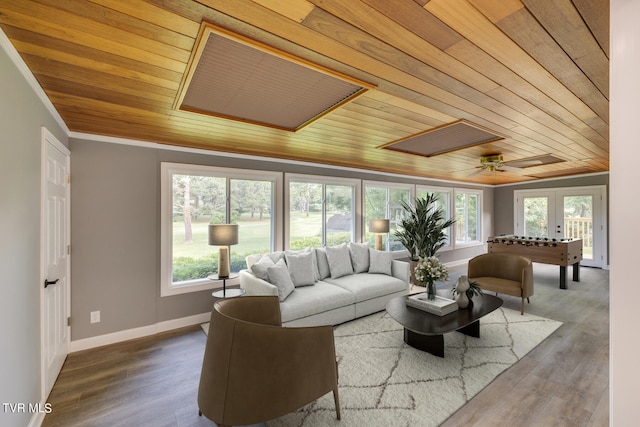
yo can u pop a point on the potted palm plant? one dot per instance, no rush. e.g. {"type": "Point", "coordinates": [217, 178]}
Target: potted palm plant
{"type": "Point", "coordinates": [422, 230]}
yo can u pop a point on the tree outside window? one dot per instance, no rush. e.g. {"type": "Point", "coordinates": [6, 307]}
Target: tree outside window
{"type": "Point", "coordinates": [320, 214]}
{"type": "Point", "coordinates": [468, 211]}
{"type": "Point", "coordinates": [198, 196]}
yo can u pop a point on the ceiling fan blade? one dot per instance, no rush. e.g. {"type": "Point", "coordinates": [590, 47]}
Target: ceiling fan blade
{"type": "Point", "coordinates": [520, 164]}
{"type": "Point", "coordinates": [505, 168]}
{"type": "Point", "coordinates": [474, 173]}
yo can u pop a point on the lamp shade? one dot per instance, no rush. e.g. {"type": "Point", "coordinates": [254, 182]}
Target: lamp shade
{"type": "Point", "coordinates": [379, 226]}
{"type": "Point", "coordinates": [223, 234]}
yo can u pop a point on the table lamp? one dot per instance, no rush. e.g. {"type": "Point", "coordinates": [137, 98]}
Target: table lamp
{"type": "Point", "coordinates": [380, 227]}
{"type": "Point", "coordinates": [223, 235]}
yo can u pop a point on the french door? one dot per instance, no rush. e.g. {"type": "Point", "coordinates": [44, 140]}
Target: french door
{"type": "Point", "coordinates": [577, 213]}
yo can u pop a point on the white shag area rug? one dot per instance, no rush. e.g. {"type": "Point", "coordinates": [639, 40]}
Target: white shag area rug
{"type": "Point", "coordinates": [384, 382]}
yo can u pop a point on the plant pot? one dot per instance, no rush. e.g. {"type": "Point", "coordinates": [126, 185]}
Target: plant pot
{"type": "Point", "coordinates": [412, 266]}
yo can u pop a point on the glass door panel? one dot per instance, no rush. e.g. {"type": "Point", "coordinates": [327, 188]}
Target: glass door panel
{"type": "Point", "coordinates": [536, 216]}
{"type": "Point", "coordinates": [575, 213]}
{"type": "Point", "coordinates": [578, 222]}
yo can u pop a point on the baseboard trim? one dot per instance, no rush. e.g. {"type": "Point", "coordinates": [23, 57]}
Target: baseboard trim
{"type": "Point", "coordinates": [457, 262]}
{"type": "Point", "coordinates": [37, 418]}
{"type": "Point", "coordinates": [144, 331]}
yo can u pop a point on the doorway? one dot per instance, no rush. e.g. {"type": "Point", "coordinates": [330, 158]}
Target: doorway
{"type": "Point", "coordinates": [575, 213]}
{"type": "Point", "coordinates": [54, 259]}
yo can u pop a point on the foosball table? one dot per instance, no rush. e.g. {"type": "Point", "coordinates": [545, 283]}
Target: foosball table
{"type": "Point", "coordinates": [561, 252]}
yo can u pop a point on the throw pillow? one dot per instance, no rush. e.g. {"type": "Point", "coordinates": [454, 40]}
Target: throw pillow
{"type": "Point", "coordinates": [279, 276]}
{"type": "Point", "coordinates": [316, 274]}
{"type": "Point", "coordinates": [301, 268]}
{"type": "Point", "coordinates": [260, 268]}
{"type": "Point", "coordinates": [380, 262]}
{"type": "Point", "coordinates": [359, 257]}
{"type": "Point", "coordinates": [323, 263]}
{"type": "Point", "coordinates": [339, 260]}
{"type": "Point", "coordinates": [252, 259]}
{"type": "Point", "coordinates": [276, 256]}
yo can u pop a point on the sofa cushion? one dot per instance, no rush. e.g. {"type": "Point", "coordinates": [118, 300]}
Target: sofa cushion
{"type": "Point", "coordinates": [301, 268]}
{"type": "Point", "coordinates": [260, 268]}
{"type": "Point", "coordinates": [339, 260]}
{"type": "Point", "coordinates": [310, 300]}
{"type": "Point", "coordinates": [380, 262]}
{"type": "Point", "coordinates": [366, 286]}
{"type": "Point", "coordinates": [359, 256]}
{"type": "Point", "coordinates": [279, 276]}
{"type": "Point", "coordinates": [323, 263]}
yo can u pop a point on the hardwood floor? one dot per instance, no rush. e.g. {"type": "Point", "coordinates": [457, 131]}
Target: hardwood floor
{"type": "Point", "coordinates": [564, 381]}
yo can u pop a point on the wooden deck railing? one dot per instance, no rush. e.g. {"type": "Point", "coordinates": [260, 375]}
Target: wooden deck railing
{"type": "Point", "coordinates": [580, 228]}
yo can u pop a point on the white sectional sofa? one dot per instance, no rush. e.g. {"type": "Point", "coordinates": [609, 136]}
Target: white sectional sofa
{"type": "Point", "coordinates": [326, 286]}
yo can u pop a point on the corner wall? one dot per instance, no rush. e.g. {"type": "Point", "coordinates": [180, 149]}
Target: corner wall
{"type": "Point", "coordinates": [22, 114]}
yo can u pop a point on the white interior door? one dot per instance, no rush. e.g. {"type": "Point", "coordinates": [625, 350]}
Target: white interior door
{"type": "Point", "coordinates": [55, 296]}
{"type": "Point", "coordinates": [577, 212]}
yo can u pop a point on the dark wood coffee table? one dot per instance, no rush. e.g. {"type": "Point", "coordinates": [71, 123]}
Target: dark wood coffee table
{"type": "Point", "coordinates": [425, 331]}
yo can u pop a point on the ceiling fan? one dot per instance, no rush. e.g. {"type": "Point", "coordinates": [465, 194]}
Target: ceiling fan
{"type": "Point", "coordinates": [494, 163]}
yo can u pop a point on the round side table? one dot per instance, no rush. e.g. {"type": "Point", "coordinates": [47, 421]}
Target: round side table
{"type": "Point", "coordinates": [226, 293]}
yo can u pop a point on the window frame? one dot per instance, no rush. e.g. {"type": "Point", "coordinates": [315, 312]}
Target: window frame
{"type": "Point", "coordinates": [388, 186]}
{"type": "Point", "coordinates": [167, 170]}
{"type": "Point", "coordinates": [480, 232]}
{"type": "Point", "coordinates": [324, 181]}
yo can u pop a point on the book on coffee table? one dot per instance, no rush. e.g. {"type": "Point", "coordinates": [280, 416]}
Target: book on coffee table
{"type": "Point", "coordinates": [439, 305]}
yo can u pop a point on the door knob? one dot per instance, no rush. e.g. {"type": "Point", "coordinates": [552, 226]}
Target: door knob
{"type": "Point", "coordinates": [50, 282]}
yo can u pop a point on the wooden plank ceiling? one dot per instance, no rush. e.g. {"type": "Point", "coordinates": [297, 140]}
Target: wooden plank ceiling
{"type": "Point", "coordinates": [534, 71]}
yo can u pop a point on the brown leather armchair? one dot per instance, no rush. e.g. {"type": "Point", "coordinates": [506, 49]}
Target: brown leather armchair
{"type": "Point", "coordinates": [254, 370]}
{"type": "Point", "coordinates": [503, 273]}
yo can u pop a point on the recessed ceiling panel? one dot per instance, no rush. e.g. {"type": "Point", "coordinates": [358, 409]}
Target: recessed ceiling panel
{"type": "Point", "coordinates": [562, 172]}
{"type": "Point", "coordinates": [444, 139]}
{"type": "Point", "coordinates": [237, 78]}
{"type": "Point", "coordinates": [545, 159]}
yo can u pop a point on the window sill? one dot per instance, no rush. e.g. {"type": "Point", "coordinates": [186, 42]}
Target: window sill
{"type": "Point", "coordinates": [193, 286]}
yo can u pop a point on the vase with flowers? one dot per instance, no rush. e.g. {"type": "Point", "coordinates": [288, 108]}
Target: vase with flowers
{"type": "Point", "coordinates": [428, 271]}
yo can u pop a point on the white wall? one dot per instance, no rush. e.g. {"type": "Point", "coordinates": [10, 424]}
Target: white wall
{"type": "Point", "coordinates": [22, 114]}
{"type": "Point", "coordinates": [624, 207]}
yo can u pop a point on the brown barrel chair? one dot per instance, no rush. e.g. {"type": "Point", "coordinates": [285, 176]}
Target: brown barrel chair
{"type": "Point", "coordinates": [503, 273]}
{"type": "Point", "coordinates": [255, 370]}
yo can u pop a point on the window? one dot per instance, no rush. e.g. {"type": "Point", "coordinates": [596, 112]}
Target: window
{"type": "Point", "coordinates": [321, 210]}
{"type": "Point", "coordinates": [468, 208]}
{"type": "Point", "coordinates": [194, 197]}
{"type": "Point", "coordinates": [444, 202]}
{"type": "Point", "coordinates": [383, 200]}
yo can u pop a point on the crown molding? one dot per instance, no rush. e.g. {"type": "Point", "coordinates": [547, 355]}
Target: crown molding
{"type": "Point", "coordinates": [17, 60]}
